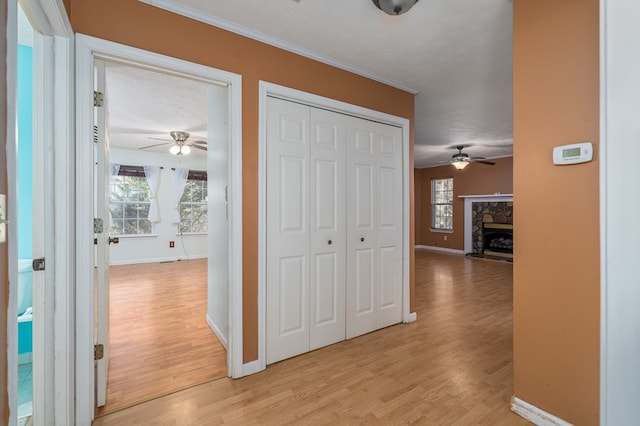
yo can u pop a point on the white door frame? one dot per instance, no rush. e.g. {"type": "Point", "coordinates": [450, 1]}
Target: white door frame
{"type": "Point", "coordinates": [619, 205]}
{"type": "Point", "coordinates": [407, 168]}
{"type": "Point", "coordinates": [89, 49]}
{"type": "Point", "coordinates": [53, 124]}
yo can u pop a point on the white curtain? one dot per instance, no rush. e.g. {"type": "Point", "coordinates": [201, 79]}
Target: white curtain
{"type": "Point", "coordinates": [114, 169]}
{"type": "Point", "coordinates": [179, 182]}
{"type": "Point", "coordinates": [152, 173]}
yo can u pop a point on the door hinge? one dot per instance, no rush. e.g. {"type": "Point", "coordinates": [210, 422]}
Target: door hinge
{"type": "Point", "coordinates": [38, 264]}
{"type": "Point", "coordinates": [98, 99]}
{"type": "Point", "coordinates": [98, 225]}
{"type": "Point", "coordinates": [98, 352]}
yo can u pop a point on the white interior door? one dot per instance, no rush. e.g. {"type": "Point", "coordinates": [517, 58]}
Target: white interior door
{"type": "Point", "coordinates": [327, 197]}
{"type": "Point", "coordinates": [362, 239]}
{"type": "Point", "coordinates": [102, 238]}
{"type": "Point", "coordinates": [374, 226]}
{"type": "Point", "coordinates": [287, 230]}
{"type": "Point", "coordinates": [389, 229]}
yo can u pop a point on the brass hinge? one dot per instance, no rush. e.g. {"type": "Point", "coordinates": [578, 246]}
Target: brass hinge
{"type": "Point", "coordinates": [98, 352]}
{"type": "Point", "coordinates": [98, 99]}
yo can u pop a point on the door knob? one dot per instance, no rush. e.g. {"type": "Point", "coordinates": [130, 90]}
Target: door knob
{"type": "Point", "coordinates": [114, 240]}
{"type": "Point", "coordinates": [329, 242]}
{"type": "Point", "coordinates": [361, 238]}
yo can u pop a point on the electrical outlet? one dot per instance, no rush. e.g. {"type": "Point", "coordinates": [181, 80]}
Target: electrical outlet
{"type": "Point", "coordinates": [172, 244]}
{"type": "Point", "coordinates": [3, 218]}
{"type": "Point", "coordinates": [445, 237]}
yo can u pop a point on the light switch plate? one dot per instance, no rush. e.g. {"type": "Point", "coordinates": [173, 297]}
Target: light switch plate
{"type": "Point", "coordinates": [3, 218]}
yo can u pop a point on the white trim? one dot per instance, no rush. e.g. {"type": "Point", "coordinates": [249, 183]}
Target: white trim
{"type": "Point", "coordinates": [442, 249]}
{"type": "Point", "coordinates": [468, 201]}
{"type": "Point", "coordinates": [441, 231]}
{"type": "Point", "coordinates": [12, 209]}
{"type": "Point", "coordinates": [534, 414]}
{"type": "Point", "coordinates": [619, 233]}
{"type": "Point", "coordinates": [217, 332]}
{"type": "Point", "coordinates": [192, 13]}
{"type": "Point", "coordinates": [156, 260]}
{"type": "Point", "coordinates": [89, 49]}
{"type": "Point", "coordinates": [338, 106]}
{"type": "Point", "coordinates": [252, 367]}
{"type": "Point", "coordinates": [48, 17]}
{"type": "Point", "coordinates": [412, 317]}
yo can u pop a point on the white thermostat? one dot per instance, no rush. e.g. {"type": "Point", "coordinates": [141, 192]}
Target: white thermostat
{"type": "Point", "coordinates": [573, 154]}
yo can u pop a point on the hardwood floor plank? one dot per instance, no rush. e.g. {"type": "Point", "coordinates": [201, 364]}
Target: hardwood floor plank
{"type": "Point", "coordinates": [159, 339]}
{"type": "Point", "coordinates": [453, 366]}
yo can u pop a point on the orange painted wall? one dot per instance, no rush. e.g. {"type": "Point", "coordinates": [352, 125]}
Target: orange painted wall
{"type": "Point", "coordinates": [556, 268]}
{"type": "Point", "coordinates": [475, 179]}
{"type": "Point", "coordinates": [140, 25]}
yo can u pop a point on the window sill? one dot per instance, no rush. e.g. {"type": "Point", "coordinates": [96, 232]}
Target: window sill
{"type": "Point", "coordinates": [441, 231]}
{"type": "Point", "coordinates": [192, 234]}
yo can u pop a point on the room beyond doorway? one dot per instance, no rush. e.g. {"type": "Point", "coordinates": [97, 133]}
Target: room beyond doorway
{"type": "Point", "coordinates": [160, 342]}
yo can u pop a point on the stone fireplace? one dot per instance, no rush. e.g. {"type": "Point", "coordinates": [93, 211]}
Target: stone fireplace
{"type": "Point", "coordinates": [487, 209]}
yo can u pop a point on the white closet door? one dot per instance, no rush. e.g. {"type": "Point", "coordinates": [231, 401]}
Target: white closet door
{"type": "Point", "coordinates": [287, 230]}
{"type": "Point", "coordinates": [374, 226]}
{"type": "Point", "coordinates": [327, 194]}
{"type": "Point", "coordinates": [361, 227]}
{"type": "Point", "coordinates": [389, 221]}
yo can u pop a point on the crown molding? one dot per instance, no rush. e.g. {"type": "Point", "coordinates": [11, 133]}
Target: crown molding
{"type": "Point", "coordinates": [188, 12]}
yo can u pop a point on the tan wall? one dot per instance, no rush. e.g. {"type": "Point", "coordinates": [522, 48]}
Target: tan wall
{"type": "Point", "coordinates": [556, 269]}
{"type": "Point", "coordinates": [475, 179]}
{"type": "Point", "coordinates": [4, 271]}
{"type": "Point", "coordinates": [146, 27]}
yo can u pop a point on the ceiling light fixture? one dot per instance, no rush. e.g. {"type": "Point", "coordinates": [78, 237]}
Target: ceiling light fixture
{"type": "Point", "coordinates": [460, 164]}
{"type": "Point", "coordinates": [179, 150]}
{"type": "Point", "coordinates": [394, 7]}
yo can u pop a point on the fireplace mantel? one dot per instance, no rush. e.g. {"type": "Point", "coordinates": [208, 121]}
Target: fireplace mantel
{"type": "Point", "coordinates": [483, 198]}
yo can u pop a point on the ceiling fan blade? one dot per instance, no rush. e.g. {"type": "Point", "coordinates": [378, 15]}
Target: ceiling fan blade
{"type": "Point", "coordinates": [203, 148]}
{"type": "Point", "coordinates": [478, 158]}
{"type": "Point", "coordinates": [490, 163]}
{"type": "Point", "coordinates": [161, 139]}
{"type": "Point", "coordinates": [199, 142]}
{"type": "Point", "coordinates": [154, 145]}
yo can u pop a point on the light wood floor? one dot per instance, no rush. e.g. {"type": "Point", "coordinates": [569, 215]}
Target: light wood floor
{"type": "Point", "coordinates": [159, 339]}
{"type": "Point", "coordinates": [453, 366]}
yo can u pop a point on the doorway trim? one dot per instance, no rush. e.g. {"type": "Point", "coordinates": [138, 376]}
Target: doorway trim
{"type": "Point", "coordinates": [267, 89]}
{"type": "Point", "coordinates": [89, 49]}
{"type": "Point", "coordinates": [53, 126]}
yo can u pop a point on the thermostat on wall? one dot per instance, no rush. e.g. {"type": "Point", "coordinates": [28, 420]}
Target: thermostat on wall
{"type": "Point", "coordinates": [573, 154]}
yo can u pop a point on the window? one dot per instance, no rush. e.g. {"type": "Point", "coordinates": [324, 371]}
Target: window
{"type": "Point", "coordinates": [193, 204]}
{"type": "Point", "coordinates": [130, 202]}
{"type": "Point", "coordinates": [442, 203]}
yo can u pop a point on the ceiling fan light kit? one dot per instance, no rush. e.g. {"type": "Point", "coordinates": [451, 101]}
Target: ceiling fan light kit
{"type": "Point", "coordinates": [394, 7]}
{"type": "Point", "coordinates": [459, 164]}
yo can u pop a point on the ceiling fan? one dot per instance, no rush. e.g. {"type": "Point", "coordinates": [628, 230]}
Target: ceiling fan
{"type": "Point", "coordinates": [460, 160]}
{"type": "Point", "coordinates": [180, 145]}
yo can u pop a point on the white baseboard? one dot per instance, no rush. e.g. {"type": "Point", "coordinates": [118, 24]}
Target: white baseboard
{"type": "Point", "coordinates": [251, 368]}
{"type": "Point", "coordinates": [156, 260]}
{"type": "Point", "coordinates": [442, 249]}
{"type": "Point", "coordinates": [412, 317]}
{"type": "Point", "coordinates": [218, 333]}
{"type": "Point", "coordinates": [535, 415]}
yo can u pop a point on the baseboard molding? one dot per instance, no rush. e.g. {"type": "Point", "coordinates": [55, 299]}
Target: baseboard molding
{"type": "Point", "coordinates": [251, 368]}
{"type": "Point", "coordinates": [218, 333]}
{"type": "Point", "coordinates": [535, 415]}
{"type": "Point", "coordinates": [156, 260]}
{"type": "Point", "coordinates": [412, 317]}
{"type": "Point", "coordinates": [442, 249]}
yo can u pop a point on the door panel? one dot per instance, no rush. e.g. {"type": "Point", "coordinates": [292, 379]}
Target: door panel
{"type": "Point", "coordinates": [327, 244]}
{"type": "Point", "coordinates": [389, 166]}
{"type": "Point", "coordinates": [102, 239]}
{"type": "Point", "coordinates": [287, 230]}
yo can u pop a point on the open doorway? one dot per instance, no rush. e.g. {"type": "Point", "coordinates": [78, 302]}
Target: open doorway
{"type": "Point", "coordinates": [159, 329]}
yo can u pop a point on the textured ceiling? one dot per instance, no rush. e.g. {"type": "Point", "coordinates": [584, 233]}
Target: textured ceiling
{"type": "Point", "coordinates": [455, 54]}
